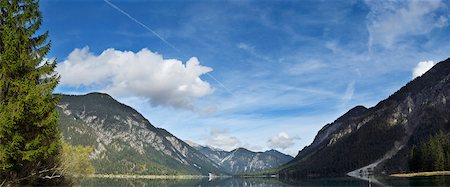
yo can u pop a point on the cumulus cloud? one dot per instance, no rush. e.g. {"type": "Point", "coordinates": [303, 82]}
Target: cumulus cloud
{"type": "Point", "coordinates": [145, 74]}
{"type": "Point", "coordinates": [282, 141]}
{"type": "Point", "coordinates": [221, 138]}
{"type": "Point", "coordinates": [389, 21]}
{"type": "Point", "coordinates": [421, 68]}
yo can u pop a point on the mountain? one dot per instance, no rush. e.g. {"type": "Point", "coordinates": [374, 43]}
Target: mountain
{"type": "Point", "coordinates": [323, 136]}
{"type": "Point", "coordinates": [379, 139]}
{"type": "Point", "coordinates": [241, 160]}
{"type": "Point", "coordinates": [124, 141]}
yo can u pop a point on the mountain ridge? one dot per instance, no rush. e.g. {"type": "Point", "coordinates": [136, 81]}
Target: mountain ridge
{"type": "Point", "coordinates": [241, 160]}
{"type": "Point", "coordinates": [124, 141]}
{"type": "Point", "coordinates": [376, 136]}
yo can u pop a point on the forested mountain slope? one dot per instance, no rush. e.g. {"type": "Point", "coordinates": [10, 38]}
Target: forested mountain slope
{"type": "Point", "coordinates": [381, 137]}
{"type": "Point", "coordinates": [124, 141]}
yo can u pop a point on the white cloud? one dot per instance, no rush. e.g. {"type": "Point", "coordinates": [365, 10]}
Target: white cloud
{"type": "Point", "coordinates": [421, 68]}
{"type": "Point", "coordinates": [221, 138]}
{"type": "Point", "coordinates": [389, 21]}
{"type": "Point", "coordinates": [282, 141]}
{"type": "Point", "coordinates": [142, 74]}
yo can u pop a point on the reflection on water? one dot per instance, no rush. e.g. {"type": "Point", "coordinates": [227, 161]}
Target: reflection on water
{"type": "Point", "coordinates": [417, 181]}
{"type": "Point", "coordinates": [271, 182]}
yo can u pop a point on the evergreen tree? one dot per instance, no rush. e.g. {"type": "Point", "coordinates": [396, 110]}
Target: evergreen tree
{"type": "Point", "coordinates": [438, 154]}
{"type": "Point", "coordinates": [431, 155]}
{"type": "Point", "coordinates": [29, 137]}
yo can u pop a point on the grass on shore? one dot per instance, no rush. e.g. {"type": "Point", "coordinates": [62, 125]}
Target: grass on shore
{"type": "Point", "coordinates": [421, 174]}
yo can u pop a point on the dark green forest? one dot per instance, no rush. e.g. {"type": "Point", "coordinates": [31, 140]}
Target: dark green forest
{"type": "Point", "coordinates": [431, 155]}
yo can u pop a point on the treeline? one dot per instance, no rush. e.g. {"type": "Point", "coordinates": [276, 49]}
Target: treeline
{"type": "Point", "coordinates": [431, 155]}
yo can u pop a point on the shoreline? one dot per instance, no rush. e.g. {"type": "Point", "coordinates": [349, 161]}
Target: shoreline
{"type": "Point", "coordinates": [130, 176]}
{"type": "Point", "coordinates": [422, 174]}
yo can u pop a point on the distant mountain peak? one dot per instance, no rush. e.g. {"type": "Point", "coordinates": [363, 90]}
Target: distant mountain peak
{"type": "Point", "coordinates": [196, 145]}
{"type": "Point", "coordinates": [272, 151]}
{"type": "Point", "coordinates": [241, 149]}
{"type": "Point", "coordinates": [242, 160]}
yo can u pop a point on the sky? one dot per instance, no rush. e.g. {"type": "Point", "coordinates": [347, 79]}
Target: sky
{"type": "Point", "coordinates": [255, 74]}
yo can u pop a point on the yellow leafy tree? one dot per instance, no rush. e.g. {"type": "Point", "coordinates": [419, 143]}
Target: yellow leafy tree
{"type": "Point", "coordinates": [75, 160]}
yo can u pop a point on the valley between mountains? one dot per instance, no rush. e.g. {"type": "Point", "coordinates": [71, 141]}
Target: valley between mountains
{"type": "Point", "coordinates": [383, 139]}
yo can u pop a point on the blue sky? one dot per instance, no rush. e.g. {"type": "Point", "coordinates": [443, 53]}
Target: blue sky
{"type": "Point", "coordinates": [259, 74]}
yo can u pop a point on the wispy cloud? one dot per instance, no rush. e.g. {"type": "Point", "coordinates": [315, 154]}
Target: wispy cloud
{"type": "Point", "coordinates": [142, 24]}
{"type": "Point", "coordinates": [388, 22]}
{"type": "Point", "coordinates": [310, 66]}
{"type": "Point", "coordinates": [348, 95]}
{"type": "Point", "coordinates": [251, 50]}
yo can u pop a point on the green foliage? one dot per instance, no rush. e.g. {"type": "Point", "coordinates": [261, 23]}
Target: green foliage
{"type": "Point", "coordinates": [29, 138]}
{"type": "Point", "coordinates": [75, 160]}
{"type": "Point", "coordinates": [432, 155]}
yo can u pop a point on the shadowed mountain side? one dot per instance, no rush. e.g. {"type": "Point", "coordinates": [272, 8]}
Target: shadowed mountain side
{"type": "Point", "coordinates": [379, 138]}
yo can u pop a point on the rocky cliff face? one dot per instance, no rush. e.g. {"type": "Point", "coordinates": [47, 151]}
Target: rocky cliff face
{"type": "Point", "coordinates": [370, 138]}
{"type": "Point", "coordinates": [124, 141]}
{"type": "Point", "coordinates": [241, 160]}
{"type": "Point", "coordinates": [325, 134]}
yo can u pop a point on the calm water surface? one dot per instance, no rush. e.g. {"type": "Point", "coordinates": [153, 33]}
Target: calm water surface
{"type": "Point", "coordinates": [271, 182]}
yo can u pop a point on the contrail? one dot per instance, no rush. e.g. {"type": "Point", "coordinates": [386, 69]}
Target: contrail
{"type": "Point", "coordinates": [143, 25]}
{"type": "Point", "coordinates": [161, 38]}
{"type": "Point", "coordinates": [223, 86]}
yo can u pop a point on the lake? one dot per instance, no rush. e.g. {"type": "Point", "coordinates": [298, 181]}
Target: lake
{"type": "Point", "coordinates": [271, 182]}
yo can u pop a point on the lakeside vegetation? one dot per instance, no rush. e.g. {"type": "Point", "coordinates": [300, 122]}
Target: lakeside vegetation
{"type": "Point", "coordinates": [131, 176]}
{"type": "Point", "coordinates": [262, 173]}
{"type": "Point", "coordinates": [421, 174]}
{"type": "Point", "coordinates": [431, 155]}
